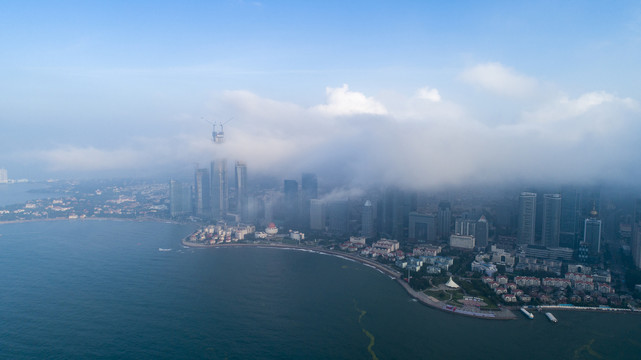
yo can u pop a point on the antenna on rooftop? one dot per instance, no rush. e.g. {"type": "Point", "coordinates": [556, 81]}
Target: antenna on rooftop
{"type": "Point", "coordinates": [218, 136]}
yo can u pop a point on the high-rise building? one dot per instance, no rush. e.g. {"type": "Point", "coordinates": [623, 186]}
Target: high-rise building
{"type": "Point", "coordinates": [241, 189]}
{"type": "Point", "coordinates": [309, 191]}
{"type": "Point", "coordinates": [408, 204]}
{"type": "Point", "coordinates": [338, 216]}
{"type": "Point", "coordinates": [219, 189]}
{"type": "Point", "coordinates": [290, 191]}
{"type": "Point", "coordinates": [551, 220]}
{"type": "Point", "coordinates": [393, 213]}
{"type": "Point", "coordinates": [527, 218]}
{"type": "Point", "coordinates": [179, 199]}
{"type": "Point", "coordinates": [444, 226]}
{"type": "Point", "coordinates": [481, 233]}
{"type": "Point", "coordinates": [367, 220]}
{"type": "Point", "coordinates": [570, 212]}
{"type": "Point", "coordinates": [3, 176]}
{"type": "Point", "coordinates": [592, 233]}
{"type": "Point", "coordinates": [201, 193]}
{"type": "Point", "coordinates": [635, 245]}
{"type": "Point", "coordinates": [422, 227]}
{"type": "Point", "coordinates": [175, 198]}
{"type": "Point", "coordinates": [385, 213]}
{"type": "Point", "coordinates": [464, 226]}
{"type": "Point", "coordinates": [317, 214]}
{"type": "Point", "coordinates": [269, 202]}
{"type": "Point", "coordinates": [309, 186]}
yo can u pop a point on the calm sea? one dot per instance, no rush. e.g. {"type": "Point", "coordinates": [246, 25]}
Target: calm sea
{"type": "Point", "coordinates": [21, 192]}
{"type": "Point", "coordinates": [105, 289]}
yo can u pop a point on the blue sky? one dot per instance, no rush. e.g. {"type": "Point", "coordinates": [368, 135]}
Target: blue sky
{"type": "Point", "coordinates": [95, 88]}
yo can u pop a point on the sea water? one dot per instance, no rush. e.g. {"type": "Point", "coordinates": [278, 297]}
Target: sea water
{"type": "Point", "coordinates": [124, 289]}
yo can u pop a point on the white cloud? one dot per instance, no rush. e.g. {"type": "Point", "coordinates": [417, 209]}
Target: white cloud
{"type": "Point", "coordinates": [409, 141]}
{"type": "Point", "coordinates": [341, 101]}
{"type": "Point", "coordinates": [597, 113]}
{"type": "Point", "coordinates": [428, 94]}
{"type": "Point", "coordinates": [499, 79]}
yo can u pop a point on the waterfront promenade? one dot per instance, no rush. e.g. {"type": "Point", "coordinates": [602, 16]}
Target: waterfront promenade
{"type": "Point", "coordinates": [503, 314]}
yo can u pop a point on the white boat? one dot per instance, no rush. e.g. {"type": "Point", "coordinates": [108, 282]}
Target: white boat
{"type": "Point", "coordinates": [551, 317]}
{"type": "Point", "coordinates": [527, 313]}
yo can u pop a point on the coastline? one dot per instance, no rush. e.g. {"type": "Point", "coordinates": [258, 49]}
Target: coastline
{"type": "Point", "coordinates": [586, 308]}
{"type": "Point", "coordinates": [93, 219]}
{"type": "Point", "coordinates": [504, 314]}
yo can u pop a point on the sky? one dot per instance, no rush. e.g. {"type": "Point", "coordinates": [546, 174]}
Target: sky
{"type": "Point", "coordinates": [420, 94]}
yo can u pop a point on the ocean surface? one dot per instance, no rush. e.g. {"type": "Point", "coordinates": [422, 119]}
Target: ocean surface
{"type": "Point", "coordinates": [21, 192]}
{"type": "Point", "coordinates": [130, 290]}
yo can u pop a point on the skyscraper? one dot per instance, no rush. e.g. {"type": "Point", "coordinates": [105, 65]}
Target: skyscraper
{"type": "Point", "coordinates": [290, 191]}
{"type": "Point", "coordinates": [309, 186]}
{"type": "Point", "coordinates": [481, 232]}
{"type": "Point", "coordinates": [241, 189]}
{"type": "Point", "coordinates": [219, 189]}
{"type": "Point", "coordinates": [444, 225]}
{"type": "Point", "coordinates": [551, 220]}
{"type": "Point", "coordinates": [422, 227]}
{"type": "Point", "coordinates": [317, 214]}
{"type": "Point", "coordinates": [338, 216]}
{"type": "Point", "coordinates": [3, 176]}
{"type": "Point", "coordinates": [309, 191]}
{"type": "Point", "coordinates": [179, 199]}
{"type": "Point", "coordinates": [527, 218]}
{"type": "Point", "coordinates": [201, 193]}
{"type": "Point", "coordinates": [385, 213]}
{"type": "Point", "coordinates": [393, 213]}
{"type": "Point", "coordinates": [367, 220]}
{"type": "Point", "coordinates": [464, 227]}
{"type": "Point", "coordinates": [592, 233]}
{"type": "Point", "coordinates": [570, 211]}
{"type": "Point", "coordinates": [635, 245]}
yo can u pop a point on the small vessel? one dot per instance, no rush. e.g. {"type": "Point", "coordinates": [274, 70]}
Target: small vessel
{"type": "Point", "coordinates": [527, 313]}
{"type": "Point", "coordinates": [551, 317]}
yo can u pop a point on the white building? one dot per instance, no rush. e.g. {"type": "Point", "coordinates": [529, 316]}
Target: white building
{"type": "Point", "coordinates": [488, 269]}
{"type": "Point", "coordinates": [462, 242]}
{"type": "Point", "coordinates": [385, 246]}
{"type": "Point", "coordinates": [296, 235]}
{"type": "Point", "coordinates": [3, 176]}
{"type": "Point", "coordinates": [426, 250]}
{"type": "Point", "coordinates": [501, 257]}
{"type": "Point", "coordinates": [357, 240]}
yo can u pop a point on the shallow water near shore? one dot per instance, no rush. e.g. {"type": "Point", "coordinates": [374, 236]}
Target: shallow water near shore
{"type": "Point", "coordinates": [114, 289]}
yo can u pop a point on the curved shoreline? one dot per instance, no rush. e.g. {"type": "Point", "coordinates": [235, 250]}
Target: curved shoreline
{"type": "Point", "coordinates": [504, 314]}
{"type": "Point", "coordinates": [141, 219]}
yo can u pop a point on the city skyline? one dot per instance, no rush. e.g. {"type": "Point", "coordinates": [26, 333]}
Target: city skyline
{"type": "Point", "coordinates": [299, 179]}
{"type": "Point", "coordinates": [414, 94]}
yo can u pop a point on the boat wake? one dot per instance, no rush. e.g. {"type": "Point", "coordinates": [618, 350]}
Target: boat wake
{"type": "Point", "coordinates": [161, 249]}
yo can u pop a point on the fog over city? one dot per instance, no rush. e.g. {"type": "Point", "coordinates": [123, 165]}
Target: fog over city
{"type": "Point", "coordinates": [418, 140]}
{"type": "Point", "coordinates": [509, 101]}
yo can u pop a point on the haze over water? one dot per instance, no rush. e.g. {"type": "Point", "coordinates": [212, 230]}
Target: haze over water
{"type": "Point", "coordinates": [78, 289]}
{"type": "Point", "coordinates": [19, 193]}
